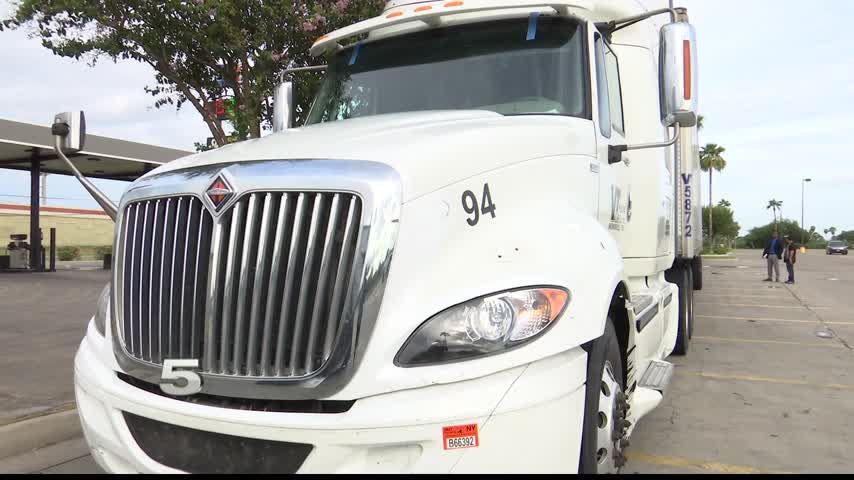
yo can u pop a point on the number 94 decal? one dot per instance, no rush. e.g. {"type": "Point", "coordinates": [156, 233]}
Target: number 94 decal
{"type": "Point", "coordinates": [470, 205]}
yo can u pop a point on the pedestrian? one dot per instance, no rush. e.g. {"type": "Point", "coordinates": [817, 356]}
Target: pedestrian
{"type": "Point", "coordinates": [790, 256]}
{"type": "Point", "coordinates": [773, 252]}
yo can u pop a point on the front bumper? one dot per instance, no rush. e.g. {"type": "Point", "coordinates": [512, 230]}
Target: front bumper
{"type": "Point", "coordinates": [529, 420]}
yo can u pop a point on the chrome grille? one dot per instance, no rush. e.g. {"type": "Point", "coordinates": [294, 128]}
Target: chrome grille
{"type": "Point", "coordinates": [258, 291]}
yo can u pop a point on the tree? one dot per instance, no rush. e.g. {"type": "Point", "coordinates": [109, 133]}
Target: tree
{"type": "Point", "coordinates": [700, 119]}
{"type": "Point", "coordinates": [201, 50]}
{"type": "Point", "coordinates": [775, 205]}
{"type": "Point", "coordinates": [711, 160]}
{"type": "Point", "coordinates": [831, 231]}
{"type": "Point", "coordinates": [724, 220]}
{"type": "Point", "coordinates": [847, 236]}
{"type": "Point", "coordinates": [760, 236]}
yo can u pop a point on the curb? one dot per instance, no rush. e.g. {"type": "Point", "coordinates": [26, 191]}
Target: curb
{"type": "Point", "coordinates": [49, 459]}
{"type": "Point", "coordinates": [27, 435]}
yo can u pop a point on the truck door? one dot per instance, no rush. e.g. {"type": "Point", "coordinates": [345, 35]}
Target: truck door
{"type": "Point", "coordinates": [614, 191]}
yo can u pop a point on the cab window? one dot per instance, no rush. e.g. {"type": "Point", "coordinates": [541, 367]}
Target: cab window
{"type": "Point", "coordinates": [615, 94]}
{"type": "Point", "coordinates": [604, 99]}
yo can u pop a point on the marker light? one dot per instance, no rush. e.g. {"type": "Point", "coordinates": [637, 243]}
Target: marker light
{"type": "Point", "coordinates": [686, 53]}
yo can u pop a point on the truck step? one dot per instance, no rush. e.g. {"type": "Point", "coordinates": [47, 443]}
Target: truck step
{"type": "Point", "coordinates": [657, 376]}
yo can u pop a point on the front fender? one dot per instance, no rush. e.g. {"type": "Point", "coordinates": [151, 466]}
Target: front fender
{"type": "Point", "coordinates": [543, 233]}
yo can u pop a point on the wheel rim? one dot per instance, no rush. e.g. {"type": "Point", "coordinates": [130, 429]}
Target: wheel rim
{"type": "Point", "coordinates": [610, 419]}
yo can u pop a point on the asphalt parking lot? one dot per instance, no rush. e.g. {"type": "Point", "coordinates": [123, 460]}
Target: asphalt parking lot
{"type": "Point", "coordinates": [767, 386]}
{"type": "Point", "coordinates": [763, 388]}
{"type": "Point", "coordinates": [43, 317]}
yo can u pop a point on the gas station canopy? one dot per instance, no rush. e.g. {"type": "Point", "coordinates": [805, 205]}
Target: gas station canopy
{"type": "Point", "coordinates": [102, 157]}
{"type": "Point", "coordinates": [28, 147]}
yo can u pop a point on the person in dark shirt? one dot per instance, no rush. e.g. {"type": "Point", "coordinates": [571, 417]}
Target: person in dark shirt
{"type": "Point", "coordinates": [773, 252]}
{"type": "Point", "coordinates": [790, 256]}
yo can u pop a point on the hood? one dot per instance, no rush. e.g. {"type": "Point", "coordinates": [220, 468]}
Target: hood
{"type": "Point", "coordinates": [429, 150]}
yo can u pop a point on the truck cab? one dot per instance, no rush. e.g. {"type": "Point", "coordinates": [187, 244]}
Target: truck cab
{"type": "Point", "coordinates": [480, 233]}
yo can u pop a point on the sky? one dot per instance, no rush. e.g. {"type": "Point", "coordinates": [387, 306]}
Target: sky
{"type": "Point", "coordinates": [776, 89]}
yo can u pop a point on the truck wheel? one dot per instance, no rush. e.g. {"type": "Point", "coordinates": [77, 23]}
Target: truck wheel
{"type": "Point", "coordinates": [605, 407]}
{"type": "Point", "coordinates": [697, 273]}
{"type": "Point", "coordinates": [681, 278]}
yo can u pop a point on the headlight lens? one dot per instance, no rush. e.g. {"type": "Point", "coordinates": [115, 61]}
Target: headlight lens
{"type": "Point", "coordinates": [484, 326]}
{"type": "Point", "coordinates": [102, 311]}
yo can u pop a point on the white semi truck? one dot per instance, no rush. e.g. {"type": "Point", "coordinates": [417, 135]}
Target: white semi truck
{"type": "Point", "coordinates": [475, 255]}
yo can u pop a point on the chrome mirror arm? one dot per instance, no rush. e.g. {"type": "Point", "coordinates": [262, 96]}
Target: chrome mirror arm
{"type": "Point", "coordinates": [615, 152]}
{"type": "Point", "coordinates": [106, 204]}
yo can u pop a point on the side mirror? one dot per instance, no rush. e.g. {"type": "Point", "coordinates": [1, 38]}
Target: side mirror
{"type": "Point", "coordinates": [678, 74]}
{"type": "Point", "coordinates": [283, 107]}
{"type": "Point", "coordinates": [72, 130]}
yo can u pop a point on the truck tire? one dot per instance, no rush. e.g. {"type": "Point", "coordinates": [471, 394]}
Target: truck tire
{"type": "Point", "coordinates": [697, 272]}
{"type": "Point", "coordinates": [680, 276]}
{"type": "Point", "coordinates": [605, 407]}
{"type": "Point", "coordinates": [690, 303]}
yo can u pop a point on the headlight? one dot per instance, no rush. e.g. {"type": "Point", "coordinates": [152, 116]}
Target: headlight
{"type": "Point", "coordinates": [103, 309]}
{"type": "Point", "coordinates": [483, 326]}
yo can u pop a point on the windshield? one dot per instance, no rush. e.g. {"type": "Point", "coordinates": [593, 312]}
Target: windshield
{"type": "Point", "coordinates": [837, 243]}
{"type": "Point", "coordinates": [510, 67]}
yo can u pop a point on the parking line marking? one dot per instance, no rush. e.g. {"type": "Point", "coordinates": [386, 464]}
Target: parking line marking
{"type": "Point", "coordinates": [753, 378]}
{"type": "Point", "coordinates": [799, 307]}
{"type": "Point", "coordinates": [773, 320]}
{"type": "Point", "coordinates": [700, 464]}
{"type": "Point", "coordinates": [736, 295]}
{"type": "Point", "coordinates": [768, 342]}
{"type": "Point", "coordinates": [748, 378]}
{"type": "Point", "coordinates": [838, 386]}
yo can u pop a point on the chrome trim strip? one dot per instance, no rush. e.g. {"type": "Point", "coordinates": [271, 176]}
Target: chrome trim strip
{"type": "Point", "coordinates": [320, 285]}
{"type": "Point", "coordinates": [228, 298]}
{"type": "Point", "coordinates": [245, 268]}
{"type": "Point", "coordinates": [644, 318]}
{"type": "Point", "coordinates": [194, 319]}
{"type": "Point", "coordinates": [212, 299]}
{"type": "Point", "coordinates": [305, 285]}
{"type": "Point", "coordinates": [272, 291]}
{"type": "Point", "coordinates": [182, 335]}
{"type": "Point", "coordinates": [178, 224]}
{"type": "Point", "coordinates": [119, 275]}
{"type": "Point", "coordinates": [258, 286]}
{"type": "Point", "coordinates": [145, 243]}
{"type": "Point", "coordinates": [342, 272]}
{"type": "Point", "coordinates": [160, 289]}
{"type": "Point", "coordinates": [285, 316]}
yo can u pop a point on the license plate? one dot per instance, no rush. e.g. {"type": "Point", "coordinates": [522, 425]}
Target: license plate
{"type": "Point", "coordinates": [460, 436]}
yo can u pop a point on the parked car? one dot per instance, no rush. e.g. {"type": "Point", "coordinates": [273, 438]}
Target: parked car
{"type": "Point", "coordinates": [837, 246]}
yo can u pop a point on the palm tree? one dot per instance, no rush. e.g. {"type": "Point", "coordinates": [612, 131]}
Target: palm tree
{"type": "Point", "coordinates": [831, 231]}
{"type": "Point", "coordinates": [724, 203]}
{"type": "Point", "coordinates": [710, 160]}
{"type": "Point", "coordinates": [775, 205]}
{"type": "Point", "coordinates": [700, 122]}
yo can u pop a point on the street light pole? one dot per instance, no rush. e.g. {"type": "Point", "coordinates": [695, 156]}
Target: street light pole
{"type": "Point", "coordinates": [803, 226]}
